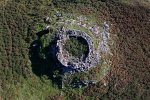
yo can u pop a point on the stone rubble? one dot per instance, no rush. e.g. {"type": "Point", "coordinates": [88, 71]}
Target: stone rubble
{"type": "Point", "coordinates": [76, 65]}
{"type": "Point", "coordinates": [105, 37]}
{"type": "Point", "coordinates": [94, 54]}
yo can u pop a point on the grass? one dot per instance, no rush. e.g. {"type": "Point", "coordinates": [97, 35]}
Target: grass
{"type": "Point", "coordinates": [36, 88]}
{"type": "Point", "coordinates": [40, 27]}
{"type": "Point", "coordinates": [76, 47]}
{"type": "Point", "coordinates": [91, 21]}
{"type": "Point", "coordinates": [104, 71]}
{"type": "Point", "coordinates": [70, 92]}
{"type": "Point", "coordinates": [20, 21]}
{"type": "Point", "coordinates": [76, 27]}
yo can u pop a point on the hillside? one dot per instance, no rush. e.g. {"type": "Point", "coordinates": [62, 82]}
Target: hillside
{"type": "Point", "coordinates": [125, 75]}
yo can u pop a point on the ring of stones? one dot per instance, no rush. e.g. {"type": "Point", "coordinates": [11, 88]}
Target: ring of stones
{"type": "Point", "coordinates": [77, 65]}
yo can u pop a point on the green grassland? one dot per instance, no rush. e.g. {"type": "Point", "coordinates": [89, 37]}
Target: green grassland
{"type": "Point", "coordinates": [127, 74]}
{"type": "Point", "coordinates": [75, 47]}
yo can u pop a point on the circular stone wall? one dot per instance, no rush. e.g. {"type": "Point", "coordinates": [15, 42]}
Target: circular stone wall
{"type": "Point", "coordinates": [74, 64]}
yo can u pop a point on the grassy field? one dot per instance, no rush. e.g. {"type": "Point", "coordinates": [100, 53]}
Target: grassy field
{"type": "Point", "coordinates": [128, 77]}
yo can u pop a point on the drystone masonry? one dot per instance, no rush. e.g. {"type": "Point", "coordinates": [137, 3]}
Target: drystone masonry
{"type": "Point", "coordinates": [72, 65]}
{"type": "Point", "coordinates": [75, 65]}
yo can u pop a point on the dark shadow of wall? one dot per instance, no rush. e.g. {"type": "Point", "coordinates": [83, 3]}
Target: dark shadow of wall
{"type": "Point", "coordinates": [44, 65]}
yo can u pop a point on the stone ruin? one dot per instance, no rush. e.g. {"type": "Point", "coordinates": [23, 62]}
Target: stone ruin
{"type": "Point", "coordinates": [75, 65]}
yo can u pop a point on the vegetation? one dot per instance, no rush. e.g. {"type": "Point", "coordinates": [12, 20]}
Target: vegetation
{"type": "Point", "coordinates": [77, 47]}
{"type": "Point", "coordinates": [21, 74]}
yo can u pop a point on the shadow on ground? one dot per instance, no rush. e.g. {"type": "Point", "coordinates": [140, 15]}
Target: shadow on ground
{"type": "Point", "coordinates": [44, 61]}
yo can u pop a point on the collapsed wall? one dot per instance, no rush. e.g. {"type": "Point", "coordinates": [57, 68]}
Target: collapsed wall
{"type": "Point", "coordinates": [77, 65]}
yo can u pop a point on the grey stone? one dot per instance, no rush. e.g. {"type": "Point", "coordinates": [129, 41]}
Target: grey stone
{"type": "Point", "coordinates": [79, 65]}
